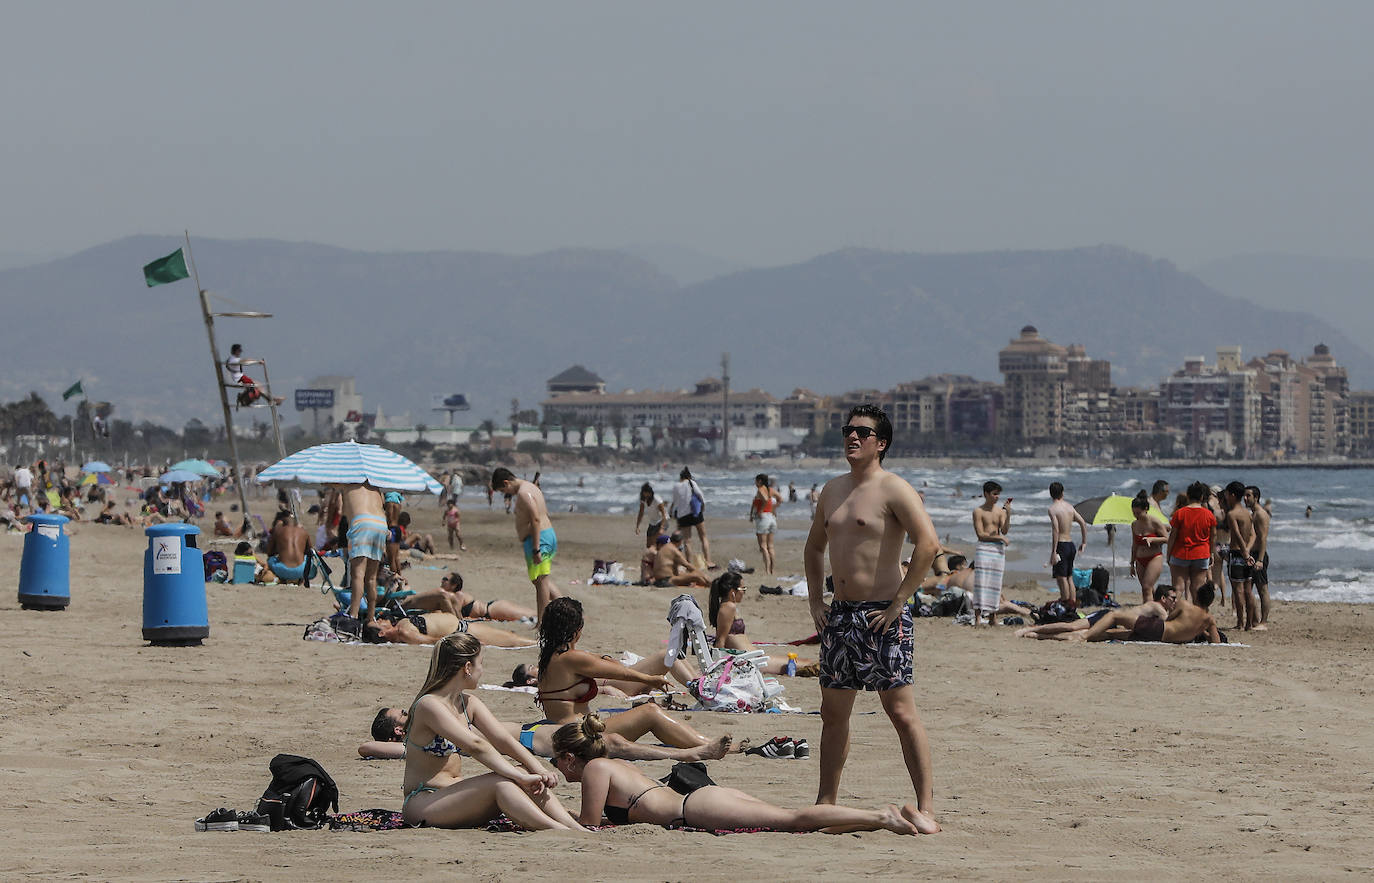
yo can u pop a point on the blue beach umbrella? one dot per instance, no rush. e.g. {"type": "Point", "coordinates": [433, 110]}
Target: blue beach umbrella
{"type": "Point", "coordinates": [177, 475]}
{"type": "Point", "coordinates": [97, 466]}
{"type": "Point", "coordinates": [351, 463]}
{"type": "Point", "coordinates": [199, 467]}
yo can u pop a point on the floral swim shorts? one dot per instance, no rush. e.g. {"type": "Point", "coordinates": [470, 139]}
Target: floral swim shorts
{"type": "Point", "coordinates": [854, 657]}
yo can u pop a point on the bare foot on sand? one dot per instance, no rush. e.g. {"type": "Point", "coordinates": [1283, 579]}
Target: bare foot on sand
{"type": "Point", "coordinates": [924, 823]}
{"type": "Point", "coordinates": [715, 749]}
{"type": "Point", "coordinates": [894, 820]}
{"type": "Point", "coordinates": [1261, 627]}
{"type": "Point", "coordinates": [1027, 632]}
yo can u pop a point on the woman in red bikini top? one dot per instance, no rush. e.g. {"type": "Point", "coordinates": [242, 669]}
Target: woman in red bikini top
{"type": "Point", "coordinates": [568, 676]}
{"type": "Point", "coordinates": [1148, 536]}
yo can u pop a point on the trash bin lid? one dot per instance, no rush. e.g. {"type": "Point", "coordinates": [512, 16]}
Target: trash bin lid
{"type": "Point", "coordinates": [170, 530]}
{"type": "Point", "coordinates": [42, 518]}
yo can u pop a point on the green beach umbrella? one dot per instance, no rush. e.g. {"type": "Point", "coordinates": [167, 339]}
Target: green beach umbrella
{"type": "Point", "coordinates": [1113, 509]}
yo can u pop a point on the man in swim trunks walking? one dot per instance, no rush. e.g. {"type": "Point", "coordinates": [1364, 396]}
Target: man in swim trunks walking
{"type": "Point", "coordinates": [367, 535]}
{"type": "Point", "coordinates": [1062, 550]}
{"type": "Point", "coordinates": [535, 530]}
{"type": "Point", "coordinates": [864, 518]}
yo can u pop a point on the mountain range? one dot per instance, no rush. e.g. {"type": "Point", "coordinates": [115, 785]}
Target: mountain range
{"type": "Point", "coordinates": [496, 326]}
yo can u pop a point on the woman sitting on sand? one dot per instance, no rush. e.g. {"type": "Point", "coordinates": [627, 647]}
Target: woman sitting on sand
{"type": "Point", "coordinates": [681, 670]}
{"type": "Point", "coordinates": [444, 720]}
{"type": "Point", "coordinates": [726, 595]}
{"type": "Point", "coordinates": [624, 795]}
{"type": "Point", "coordinates": [568, 681]}
{"type": "Point", "coordinates": [1149, 534]}
{"type": "Point", "coordinates": [450, 598]}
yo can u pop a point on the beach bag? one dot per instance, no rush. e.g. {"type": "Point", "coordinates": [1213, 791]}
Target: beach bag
{"type": "Point", "coordinates": [730, 684]}
{"type": "Point", "coordinates": [952, 604]}
{"type": "Point", "coordinates": [1089, 597]}
{"type": "Point", "coordinates": [687, 776]}
{"type": "Point", "coordinates": [698, 501]}
{"type": "Point", "coordinates": [1056, 611]}
{"type": "Point", "coordinates": [1082, 577]}
{"type": "Point", "coordinates": [300, 795]}
{"type": "Point", "coordinates": [1102, 581]}
{"type": "Point", "coordinates": [215, 560]}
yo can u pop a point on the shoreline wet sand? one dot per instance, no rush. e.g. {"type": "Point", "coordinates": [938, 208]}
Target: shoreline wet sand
{"type": "Point", "coordinates": [1050, 759]}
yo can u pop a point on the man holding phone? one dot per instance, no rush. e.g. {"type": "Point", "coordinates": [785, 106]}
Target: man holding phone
{"type": "Point", "coordinates": [990, 524]}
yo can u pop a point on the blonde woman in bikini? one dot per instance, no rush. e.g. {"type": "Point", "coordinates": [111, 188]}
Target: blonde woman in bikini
{"type": "Point", "coordinates": [445, 719]}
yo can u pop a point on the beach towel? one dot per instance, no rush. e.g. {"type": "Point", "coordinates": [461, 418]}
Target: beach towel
{"type": "Point", "coordinates": [989, 562]}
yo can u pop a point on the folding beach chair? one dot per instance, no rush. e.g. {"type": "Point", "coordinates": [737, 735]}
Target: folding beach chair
{"type": "Point", "coordinates": [688, 634]}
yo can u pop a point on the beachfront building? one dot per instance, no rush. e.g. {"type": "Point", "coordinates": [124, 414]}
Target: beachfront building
{"type": "Point", "coordinates": [1035, 374]}
{"type": "Point", "coordinates": [672, 415]}
{"type": "Point", "coordinates": [1360, 405]}
{"type": "Point", "coordinates": [1303, 404]}
{"type": "Point", "coordinates": [1214, 409]}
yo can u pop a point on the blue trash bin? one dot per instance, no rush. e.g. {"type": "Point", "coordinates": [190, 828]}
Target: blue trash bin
{"type": "Point", "coordinates": [44, 577]}
{"type": "Point", "coordinates": [175, 613]}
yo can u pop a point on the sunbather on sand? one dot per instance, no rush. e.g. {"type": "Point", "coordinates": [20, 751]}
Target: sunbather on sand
{"type": "Point", "coordinates": [450, 598]}
{"type": "Point", "coordinates": [568, 681]}
{"type": "Point", "coordinates": [446, 719]}
{"type": "Point", "coordinates": [1122, 618]}
{"type": "Point", "coordinates": [1185, 622]}
{"type": "Point", "coordinates": [726, 596]}
{"type": "Point", "coordinates": [624, 795]}
{"type": "Point", "coordinates": [389, 728]}
{"type": "Point", "coordinates": [430, 628]}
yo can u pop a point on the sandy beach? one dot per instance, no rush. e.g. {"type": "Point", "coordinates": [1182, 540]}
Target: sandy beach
{"type": "Point", "coordinates": [1071, 761]}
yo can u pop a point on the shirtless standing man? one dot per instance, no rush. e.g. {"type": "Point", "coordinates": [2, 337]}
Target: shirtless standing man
{"type": "Point", "coordinates": [535, 530]}
{"type": "Point", "coordinates": [990, 525]}
{"type": "Point", "coordinates": [367, 535]}
{"type": "Point", "coordinates": [1260, 574]}
{"type": "Point", "coordinates": [1239, 567]}
{"type": "Point", "coordinates": [864, 517]}
{"type": "Point", "coordinates": [1062, 549]}
{"type": "Point", "coordinates": [286, 546]}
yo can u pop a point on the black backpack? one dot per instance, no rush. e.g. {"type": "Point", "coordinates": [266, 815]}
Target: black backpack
{"type": "Point", "coordinates": [300, 795]}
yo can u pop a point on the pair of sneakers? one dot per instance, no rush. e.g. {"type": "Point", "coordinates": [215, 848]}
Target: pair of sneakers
{"type": "Point", "coordinates": [783, 747]}
{"type": "Point", "coordinates": [228, 820]}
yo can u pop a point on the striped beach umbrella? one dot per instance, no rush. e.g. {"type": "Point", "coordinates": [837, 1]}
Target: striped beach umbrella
{"type": "Point", "coordinates": [351, 463]}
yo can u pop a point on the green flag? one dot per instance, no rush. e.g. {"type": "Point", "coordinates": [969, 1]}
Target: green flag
{"type": "Point", "coordinates": [73, 390]}
{"type": "Point", "coordinates": [168, 269]}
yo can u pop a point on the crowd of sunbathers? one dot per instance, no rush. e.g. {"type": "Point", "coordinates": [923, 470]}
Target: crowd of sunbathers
{"type": "Point", "coordinates": [445, 720]}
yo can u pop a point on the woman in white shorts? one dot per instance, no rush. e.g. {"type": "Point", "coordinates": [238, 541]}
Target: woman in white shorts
{"type": "Point", "coordinates": [761, 511]}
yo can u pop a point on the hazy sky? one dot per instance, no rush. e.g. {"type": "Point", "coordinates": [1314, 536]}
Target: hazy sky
{"type": "Point", "coordinates": [760, 132]}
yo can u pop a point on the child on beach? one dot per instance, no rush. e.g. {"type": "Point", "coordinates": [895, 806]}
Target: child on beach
{"type": "Point", "coordinates": [453, 522]}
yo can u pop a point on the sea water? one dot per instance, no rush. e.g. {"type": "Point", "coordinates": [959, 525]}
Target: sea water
{"type": "Point", "coordinates": [1326, 557]}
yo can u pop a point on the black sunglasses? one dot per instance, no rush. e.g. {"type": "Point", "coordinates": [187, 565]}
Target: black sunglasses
{"type": "Point", "coordinates": [860, 431]}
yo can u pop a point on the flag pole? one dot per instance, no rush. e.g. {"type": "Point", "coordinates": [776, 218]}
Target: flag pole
{"type": "Point", "coordinates": [240, 480]}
